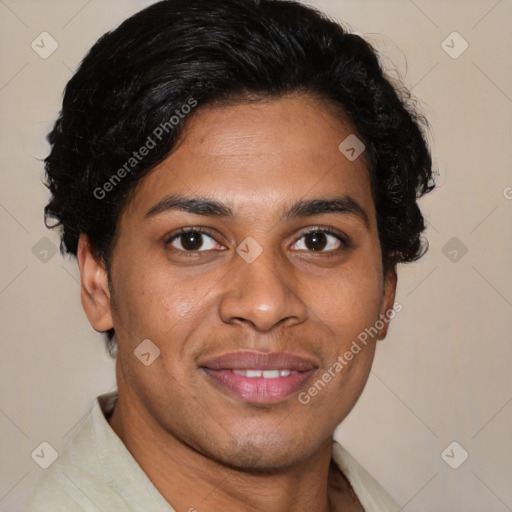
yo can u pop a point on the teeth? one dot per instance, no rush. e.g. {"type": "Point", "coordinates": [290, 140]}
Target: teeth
{"type": "Point", "coordinates": [266, 374]}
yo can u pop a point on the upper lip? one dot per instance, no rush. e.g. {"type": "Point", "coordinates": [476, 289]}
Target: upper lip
{"type": "Point", "coordinates": [244, 360]}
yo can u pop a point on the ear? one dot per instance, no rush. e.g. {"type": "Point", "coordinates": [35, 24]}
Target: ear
{"type": "Point", "coordinates": [388, 309]}
{"type": "Point", "coordinates": [95, 291]}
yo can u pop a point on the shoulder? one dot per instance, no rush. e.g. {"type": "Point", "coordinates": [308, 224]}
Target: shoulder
{"type": "Point", "coordinates": [95, 472]}
{"type": "Point", "coordinates": [49, 495]}
{"type": "Point", "coordinates": [64, 489]}
{"type": "Point", "coordinates": [75, 481]}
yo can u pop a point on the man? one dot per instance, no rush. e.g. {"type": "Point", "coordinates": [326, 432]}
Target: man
{"type": "Point", "coordinates": [238, 181]}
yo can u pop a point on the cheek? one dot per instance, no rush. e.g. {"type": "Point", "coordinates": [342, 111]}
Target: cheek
{"type": "Point", "coordinates": [350, 302]}
{"type": "Point", "coordinates": [141, 300]}
{"type": "Point", "coordinates": [155, 303]}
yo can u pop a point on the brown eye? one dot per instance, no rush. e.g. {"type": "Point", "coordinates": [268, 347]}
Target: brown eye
{"type": "Point", "coordinates": [315, 241]}
{"type": "Point", "coordinates": [319, 241]}
{"type": "Point", "coordinates": [192, 240]}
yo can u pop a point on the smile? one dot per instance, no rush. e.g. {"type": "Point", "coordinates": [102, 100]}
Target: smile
{"type": "Point", "coordinates": [259, 377]}
{"type": "Point", "coordinates": [266, 374]}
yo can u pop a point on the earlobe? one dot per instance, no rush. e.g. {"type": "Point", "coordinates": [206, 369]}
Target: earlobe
{"type": "Point", "coordinates": [388, 310]}
{"type": "Point", "coordinates": [95, 294]}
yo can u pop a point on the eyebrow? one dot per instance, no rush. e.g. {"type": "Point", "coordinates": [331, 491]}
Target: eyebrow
{"type": "Point", "coordinates": [302, 208]}
{"type": "Point", "coordinates": [340, 204]}
{"type": "Point", "coordinates": [195, 205]}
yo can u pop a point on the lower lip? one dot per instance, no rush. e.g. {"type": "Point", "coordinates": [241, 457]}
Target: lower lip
{"type": "Point", "coordinates": [259, 389]}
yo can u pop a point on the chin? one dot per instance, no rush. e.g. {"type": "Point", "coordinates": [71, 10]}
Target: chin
{"type": "Point", "coordinates": [261, 456]}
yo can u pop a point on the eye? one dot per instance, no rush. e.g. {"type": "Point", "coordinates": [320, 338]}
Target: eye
{"type": "Point", "coordinates": [320, 240]}
{"type": "Point", "coordinates": [192, 240]}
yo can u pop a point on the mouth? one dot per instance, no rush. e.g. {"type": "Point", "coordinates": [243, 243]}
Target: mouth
{"type": "Point", "coordinates": [259, 377]}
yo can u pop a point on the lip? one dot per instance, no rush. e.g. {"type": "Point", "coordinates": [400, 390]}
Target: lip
{"type": "Point", "coordinates": [219, 369]}
{"type": "Point", "coordinates": [248, 359]}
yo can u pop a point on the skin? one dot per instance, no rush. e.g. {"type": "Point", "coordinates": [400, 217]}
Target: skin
{"type": "Point", "coordinates": [201, 446]}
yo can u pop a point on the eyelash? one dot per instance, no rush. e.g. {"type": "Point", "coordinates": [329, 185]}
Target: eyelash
{"type": "Point", "coordinates": [327, 230]}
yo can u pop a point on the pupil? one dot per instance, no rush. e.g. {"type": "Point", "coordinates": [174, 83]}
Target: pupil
{"type": "Point", "coordinates": [316, 241]}
{"type": "Point", "coordinates": [191, 241]}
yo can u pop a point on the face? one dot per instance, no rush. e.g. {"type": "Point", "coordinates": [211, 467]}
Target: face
{"type": "Point", "coordinates": [279, 268]}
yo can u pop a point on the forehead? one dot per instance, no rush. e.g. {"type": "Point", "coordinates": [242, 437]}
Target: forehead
{"type": "Point", "coordinates": [261, 154]}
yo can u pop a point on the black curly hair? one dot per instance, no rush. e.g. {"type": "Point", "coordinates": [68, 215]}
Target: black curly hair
{"type": "Point", "coordinates": [137, 79]}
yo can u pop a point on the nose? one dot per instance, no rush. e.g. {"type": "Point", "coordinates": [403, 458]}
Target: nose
{"type": "Point", "coordinates": [261, 294]}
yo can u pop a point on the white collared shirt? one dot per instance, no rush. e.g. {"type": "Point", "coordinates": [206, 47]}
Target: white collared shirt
{"type": "Point", "coordinates": [96, 472]}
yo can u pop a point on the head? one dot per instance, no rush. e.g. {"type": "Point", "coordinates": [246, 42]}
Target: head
{"type": "Point", "coordinates": [272, 136]}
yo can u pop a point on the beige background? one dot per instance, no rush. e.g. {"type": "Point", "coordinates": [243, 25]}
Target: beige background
{"type": "Point", "coordinates": [445, 372]}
